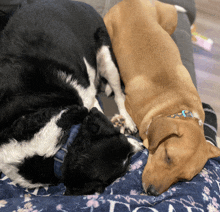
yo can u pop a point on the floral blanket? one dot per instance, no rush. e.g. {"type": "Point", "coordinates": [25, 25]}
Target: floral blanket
{"type": "Point", "coordinates": [125, 194]}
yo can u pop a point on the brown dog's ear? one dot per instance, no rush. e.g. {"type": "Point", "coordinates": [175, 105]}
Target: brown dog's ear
{"type": "Point", "coordinates": [159, 129]}
{"type": "Point", "coordinates": [213, 151]}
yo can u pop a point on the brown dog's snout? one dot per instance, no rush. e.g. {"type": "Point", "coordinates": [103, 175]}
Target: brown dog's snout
{"type": "Point", "coordinates": [151, 191]}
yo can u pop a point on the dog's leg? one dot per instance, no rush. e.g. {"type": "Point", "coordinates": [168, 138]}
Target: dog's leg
{"type": "Point", "coordinates": [108, 90]}
{"type": "Point", "coordinates": [108, 70]}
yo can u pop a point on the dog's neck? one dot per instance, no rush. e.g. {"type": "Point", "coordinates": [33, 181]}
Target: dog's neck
{"type": "Point", "coordinates": [182, 114]}
{"type": "Point", "coordinates": [185, 114]}
{"type": "Point", "coordinates": [60, 155]}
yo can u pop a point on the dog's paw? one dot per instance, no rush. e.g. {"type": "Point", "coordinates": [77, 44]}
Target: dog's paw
{"type": "Point", "coordinates": [120, 122]}
{"type": "Point", "coordinates": [129, 124]}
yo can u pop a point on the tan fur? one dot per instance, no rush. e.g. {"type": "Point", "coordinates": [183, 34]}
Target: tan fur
{"type": "Point", "coordinates": [157, 85]}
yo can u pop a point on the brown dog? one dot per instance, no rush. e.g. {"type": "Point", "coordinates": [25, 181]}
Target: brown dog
{"type": "Point", "coordinates": [157, 86]}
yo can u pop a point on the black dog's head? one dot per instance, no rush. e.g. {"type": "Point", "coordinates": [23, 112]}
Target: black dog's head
{"type": "Point", "coordinates": [98, 156]}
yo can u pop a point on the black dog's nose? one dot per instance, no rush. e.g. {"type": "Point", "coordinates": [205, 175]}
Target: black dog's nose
{"type": "Point", "coordinates": [151, 191]}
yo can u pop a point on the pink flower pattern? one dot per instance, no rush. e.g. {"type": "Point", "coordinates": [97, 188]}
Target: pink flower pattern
{"type": "Point", "coordinates": [134, 192]}
{"type": "Point", "coordinates": [136, 165]}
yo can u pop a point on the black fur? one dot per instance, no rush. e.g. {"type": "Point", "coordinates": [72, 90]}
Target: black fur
{"type": "Point", "coordinates": [25, 127]}
{"type": "Point", "coordinates": [40, 170]}
{"type": "Point", "coordinates": [41, 39]}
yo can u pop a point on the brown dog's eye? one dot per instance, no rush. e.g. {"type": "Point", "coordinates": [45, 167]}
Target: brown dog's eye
{"type": "Point", "coordinates": [182, 180]}
{"type": "Point", "coordinates": [168, 159]}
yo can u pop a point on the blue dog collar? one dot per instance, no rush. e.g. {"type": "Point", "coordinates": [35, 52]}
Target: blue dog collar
{"type": "Point", "coordinates": [60, 155]}
{"type": "Point", "coordinates": [184, 113]}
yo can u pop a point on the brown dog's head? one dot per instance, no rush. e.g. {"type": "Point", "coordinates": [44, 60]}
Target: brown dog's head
{"type": "Point", "coordinates": [178, 151]}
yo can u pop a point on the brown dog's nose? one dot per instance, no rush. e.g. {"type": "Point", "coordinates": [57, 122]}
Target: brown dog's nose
{"type": "Point", "coordinates": [151, 191]}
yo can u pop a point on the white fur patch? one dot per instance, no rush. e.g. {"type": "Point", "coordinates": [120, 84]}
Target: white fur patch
{"type": "Point", "coordinates": [137, 146]}
{"type": "Point", "coordinates": [44, 143]}
{"type": "Point", "coordinates": [210, 142]}
{"type": "Point", "coordinates": [87, 94]}
{"type": "Point", "coordinates": [180, 9]}
{"type": "Point", "coordinates": [108, 90]}
{"type": "Point", "coordinates": [196, 115]}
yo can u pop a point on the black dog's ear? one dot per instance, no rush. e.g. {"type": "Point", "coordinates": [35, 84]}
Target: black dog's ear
{"type": "Point", "coordinates": [74, 115]}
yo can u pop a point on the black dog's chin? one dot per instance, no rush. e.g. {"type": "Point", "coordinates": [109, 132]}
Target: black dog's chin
{"type": "Point", "coordinates": [78, 192]}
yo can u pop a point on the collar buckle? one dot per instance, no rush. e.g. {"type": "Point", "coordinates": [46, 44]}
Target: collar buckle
{"type": "Point", "coordinates": [61, 153]}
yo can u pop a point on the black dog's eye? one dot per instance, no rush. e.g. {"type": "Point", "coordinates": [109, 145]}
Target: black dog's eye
{"type": "Point", "coordinates": [127, 158]}
{"type": "Point", "coordinates": [130, 155]}
{"type": "Point", "coordinates": [125, 161]}
{"type": "Point", "coordinates": [168, 159]}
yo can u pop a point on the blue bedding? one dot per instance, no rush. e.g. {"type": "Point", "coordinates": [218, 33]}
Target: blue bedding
{"type": "Point", "coordinates": [125, 194]}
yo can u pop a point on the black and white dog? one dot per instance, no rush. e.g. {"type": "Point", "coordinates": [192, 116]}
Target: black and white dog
{"type": "Point", "coordinates": [53, 54]}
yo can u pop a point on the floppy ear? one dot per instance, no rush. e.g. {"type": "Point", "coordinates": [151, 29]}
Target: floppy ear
{"type": "Point", "coordinates": [160, 129]}
{"type": "Point", "coordinates": [213, 151]}
{"type": "Point", "coordinates": [74, 115]}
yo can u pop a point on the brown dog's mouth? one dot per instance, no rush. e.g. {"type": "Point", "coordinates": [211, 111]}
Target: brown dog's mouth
{"type": "Point", "coordinates": [150, 190]}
